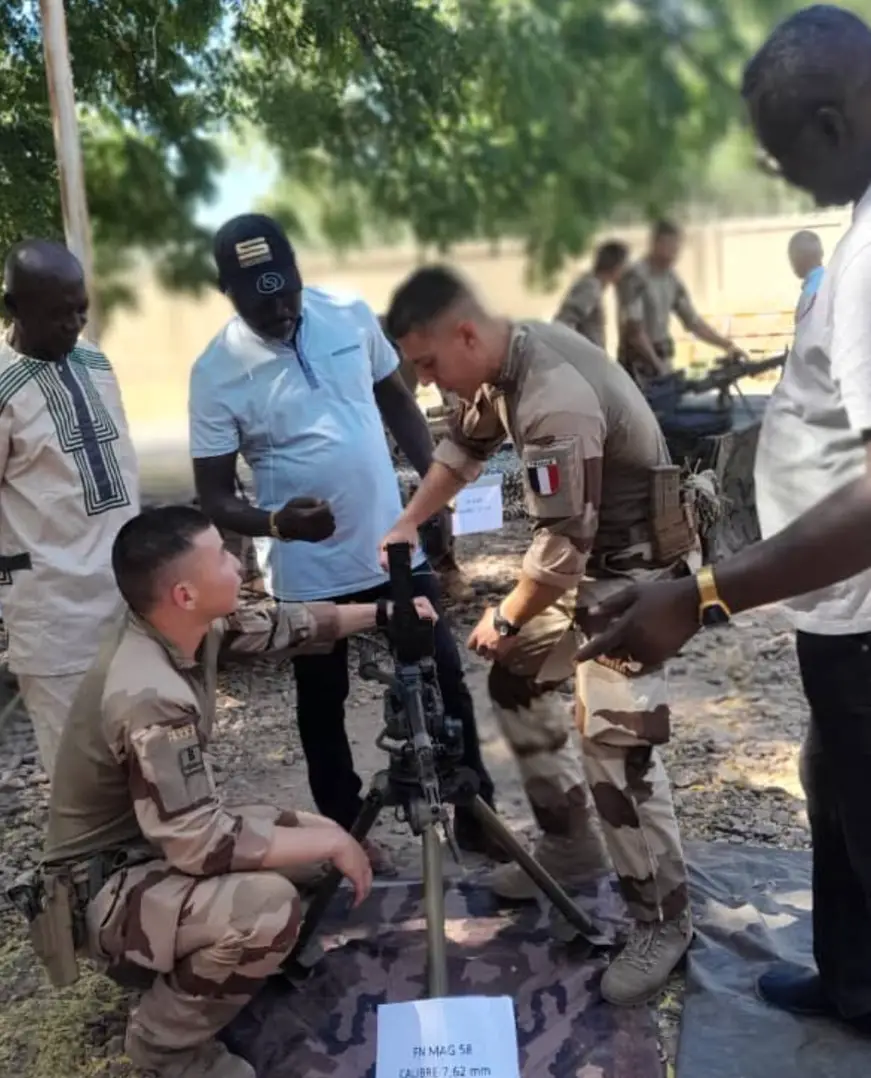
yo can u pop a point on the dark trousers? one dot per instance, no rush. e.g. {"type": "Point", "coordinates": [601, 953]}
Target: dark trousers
{"type": "Point", "coordinates": [322, 687]}
{"type": "Point", "coordinates": [836, 771]}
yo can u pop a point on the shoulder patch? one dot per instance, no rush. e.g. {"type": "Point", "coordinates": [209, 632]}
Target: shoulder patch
{"type": "Point", "coordinates": [544, 476]}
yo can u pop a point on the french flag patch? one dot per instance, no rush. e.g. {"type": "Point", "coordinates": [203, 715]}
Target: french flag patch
{"type": "Point", "coordinates": [544, 476]}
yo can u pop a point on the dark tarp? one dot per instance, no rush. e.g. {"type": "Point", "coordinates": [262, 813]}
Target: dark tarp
{"type": "Point", "coordinates": [752, 909]}
{"type": "Point", "coordinates": [377, 954]}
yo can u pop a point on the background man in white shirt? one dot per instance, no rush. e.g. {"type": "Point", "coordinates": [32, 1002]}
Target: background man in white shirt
{"type": "Point", "coordinates": [805, 253]}
{"type": "Point", "coordinates": [301, 383]}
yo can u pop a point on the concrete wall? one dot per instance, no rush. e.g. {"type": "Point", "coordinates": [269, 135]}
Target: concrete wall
{"type": "Point", "coordinates": [736, 270]}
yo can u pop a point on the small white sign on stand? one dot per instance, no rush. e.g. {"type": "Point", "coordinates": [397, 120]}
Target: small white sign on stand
{"type": "Point", "coordinates": [479, 506]}
{"type": "Point", "coordinates": [459, 1037]}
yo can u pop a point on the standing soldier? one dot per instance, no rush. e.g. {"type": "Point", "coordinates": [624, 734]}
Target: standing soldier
{"type": "Point", "coordinates": [581, 309]}
{"type": "Point", "coordinates": [649, 293]}
{"type": "Point", "coordinates": [68, 481]}
{"type": "Point", "coordinates": [605, 502]}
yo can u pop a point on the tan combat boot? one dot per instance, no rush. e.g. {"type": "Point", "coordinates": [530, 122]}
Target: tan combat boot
{"type": "Point", "coordinates": [209, 1060]}
{"type": "Point", "coordinates": [640, 971]}
{"type": "Point", "coordinates": [572, 862]}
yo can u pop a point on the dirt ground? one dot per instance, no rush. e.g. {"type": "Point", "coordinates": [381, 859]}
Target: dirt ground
{"type": "Point", "coordinates": [739, 717]}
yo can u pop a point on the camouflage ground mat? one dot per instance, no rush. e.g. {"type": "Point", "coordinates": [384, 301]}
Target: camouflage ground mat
{"type": "Point", "coordinates": [377, 954]}
{"type": "Point", "coordinates": [752, 908]}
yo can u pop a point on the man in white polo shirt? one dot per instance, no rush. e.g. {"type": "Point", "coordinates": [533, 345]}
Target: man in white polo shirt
{"type": "Point", "coordinates": [808, 90]}
{"type": "Point", "coordinates": [300, 384]}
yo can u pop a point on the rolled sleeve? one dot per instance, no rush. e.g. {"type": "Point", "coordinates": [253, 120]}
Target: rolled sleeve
{"type": "Point", "coordinates": [212, 427]}
{"type": "Point", "coordinates": [630, 299]}
{"type": "Point", "coordinates": [475, 433]}
{"type": "Point", "coordinates": [458, 460]}
{"type": "Point", "coordinates": [173, 789]}
{"type": "Point", "coordinates": [267, 627]}
{"type": "Point", "coordinates": [683, 307]}
{"type": "Point", "coordinates": [579, 305]}
{"type": "Point", "coordinates": [851, 338]}
{"type": "Point", "coordinates": [563, 477]}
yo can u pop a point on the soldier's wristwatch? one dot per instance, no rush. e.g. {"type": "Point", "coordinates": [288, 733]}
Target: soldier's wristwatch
{"type": "Point", "coordinates": [503, 626]}
{"type": "Point", "coordinates": [712, 610]}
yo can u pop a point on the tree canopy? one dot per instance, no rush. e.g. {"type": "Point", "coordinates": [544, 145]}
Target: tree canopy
{"type": "Point", "coordinates": [535, 119]}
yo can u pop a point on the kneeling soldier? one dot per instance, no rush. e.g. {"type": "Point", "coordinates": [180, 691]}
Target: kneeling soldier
{"type": "Point", "coordinates": [157, 872]}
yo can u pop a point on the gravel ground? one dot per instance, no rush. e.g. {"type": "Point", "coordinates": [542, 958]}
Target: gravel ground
{"type": "Point", "coordinates": [739, 717]}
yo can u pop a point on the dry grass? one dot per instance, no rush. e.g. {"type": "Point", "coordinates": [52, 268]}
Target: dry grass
{"type": "Point", "coordinates": [46, 1033]}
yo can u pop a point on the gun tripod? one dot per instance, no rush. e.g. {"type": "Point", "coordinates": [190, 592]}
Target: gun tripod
{"type": "Point", "coordinates": [392, 788]}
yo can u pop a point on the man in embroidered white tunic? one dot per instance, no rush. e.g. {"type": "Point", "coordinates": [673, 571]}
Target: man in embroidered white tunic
{"type": "Point", "coordinates": [68, 481]}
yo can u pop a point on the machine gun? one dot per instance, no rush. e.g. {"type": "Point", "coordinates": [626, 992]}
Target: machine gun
{"type": "Point", "coordinates": [424, 744]}
{"type": "Point", "coordinates": [423, 777]}
{"type": "Point", "coordinates": [667, 393]}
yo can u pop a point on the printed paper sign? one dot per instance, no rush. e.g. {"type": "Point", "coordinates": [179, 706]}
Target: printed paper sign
{"type": "Point", "coordinates": [462, 1037]}
{"type": "Point", "coordinates": [479, 506]}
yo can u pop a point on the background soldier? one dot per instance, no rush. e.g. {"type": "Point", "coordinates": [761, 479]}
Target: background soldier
{"type": "Point", "coordinates": [68, 481]}
{"type": "Point", "coordinates": [581, 309]}
{"type": "Point", "coordinates": [649, 293]}
{"type": "Point", "coordinates": [563, 402]}
{"type": "Point", "coordinates": [202, 900]}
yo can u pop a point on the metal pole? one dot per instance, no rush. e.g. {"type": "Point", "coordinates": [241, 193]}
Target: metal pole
{"type": "Point", "coordinates": [68, 150]}
{"type": "Point", "coordinates": [434, 903]}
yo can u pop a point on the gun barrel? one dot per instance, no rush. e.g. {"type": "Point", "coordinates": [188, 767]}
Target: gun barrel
{"type": "Point", "coordinates": [729, 374]}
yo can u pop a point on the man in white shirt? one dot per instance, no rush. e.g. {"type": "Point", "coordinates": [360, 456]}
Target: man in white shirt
{"type": "Point", "coordinates": [68, 481]}
{"type": "Point", "coordinates": [301, 383]}
{"type": "Point", "coordinates": [809, 94]}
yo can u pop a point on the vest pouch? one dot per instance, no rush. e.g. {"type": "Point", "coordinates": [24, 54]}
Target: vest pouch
{"type": "Point", "coordinates": [51, 930]}
{"type": "Point", "coordinates": [672, 519]}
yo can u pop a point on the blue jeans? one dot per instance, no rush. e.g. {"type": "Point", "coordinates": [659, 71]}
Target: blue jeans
{"type": "Point", "coordinates": [322, 687]}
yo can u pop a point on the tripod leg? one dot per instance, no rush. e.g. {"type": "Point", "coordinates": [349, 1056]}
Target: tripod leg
{"type": "Point", "coordinates": [361, 827]}
{"type": "Point", "coordinates": [434, 902]}
{"type": "Point", "coordinates": [537, 872]}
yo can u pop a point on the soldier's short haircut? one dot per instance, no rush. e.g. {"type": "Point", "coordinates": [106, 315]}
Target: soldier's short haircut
{"type": "Point", "coordinates": [422, 298]}
{"type": "Point", "coordinates": [816, 58]}
{"type": "Point", "coordinates": [610, 256]}
{"type": "Point", "coordinates": [663, 229]}
{"type": "Point", "coordinates": [147, 544]}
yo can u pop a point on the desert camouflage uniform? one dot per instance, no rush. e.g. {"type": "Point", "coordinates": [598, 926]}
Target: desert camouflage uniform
{"type": "Point", "coordinates": [582, 311]}
{"type": "Point", "coordinates": [649, 296]}
{"type": "Point", "coordinates": [134, 787]}
{"type": "Point", "coordinates": [585, 434]}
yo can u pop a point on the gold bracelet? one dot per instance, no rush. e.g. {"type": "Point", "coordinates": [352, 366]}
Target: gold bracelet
{"type": "Point", "coordinates": [273, 527]}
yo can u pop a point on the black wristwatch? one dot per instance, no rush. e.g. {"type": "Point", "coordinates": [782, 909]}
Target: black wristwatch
{"type": "Point", "coordinates": [503, 626]}
{"type": "Point", "coordinates": [382, 613]}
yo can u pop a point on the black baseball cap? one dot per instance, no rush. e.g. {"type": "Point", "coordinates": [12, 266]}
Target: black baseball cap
{"type": "Point", "coordinates": [255, 258]}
